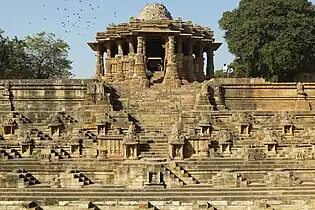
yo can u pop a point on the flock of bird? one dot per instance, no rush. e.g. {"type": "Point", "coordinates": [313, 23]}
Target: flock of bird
{"type": "Point", "coordinates": [75, 21]}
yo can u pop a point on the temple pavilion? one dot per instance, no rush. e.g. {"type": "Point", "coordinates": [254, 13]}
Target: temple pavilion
{"type": "Point", "coordinates": [172, 50]}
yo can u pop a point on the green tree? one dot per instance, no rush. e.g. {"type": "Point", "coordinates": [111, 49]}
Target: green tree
{"type": "Point", "coordinates": [13, 58]}
{"type": "Point", "coordinates": [48, 56]}
{"type": "Point", "coordinates": [274, 39]}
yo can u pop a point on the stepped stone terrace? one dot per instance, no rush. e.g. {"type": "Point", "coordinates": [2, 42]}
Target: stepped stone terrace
{"type": "Point", "coordinates": [127, 141]}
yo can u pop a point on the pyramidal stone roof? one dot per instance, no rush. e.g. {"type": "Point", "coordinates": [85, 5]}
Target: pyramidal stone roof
{"type": "Point", "coordinates": [155, 12]}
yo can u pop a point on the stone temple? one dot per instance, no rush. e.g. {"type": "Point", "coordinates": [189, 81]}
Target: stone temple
{"type": "Point", "coordinates": [174, 138]}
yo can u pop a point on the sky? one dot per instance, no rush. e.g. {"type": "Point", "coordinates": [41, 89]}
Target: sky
{"type": "Point", "coordinates": [61, 17]}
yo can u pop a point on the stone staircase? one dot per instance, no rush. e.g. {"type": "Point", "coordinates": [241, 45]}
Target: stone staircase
{"type": "Point", "coordinates": [145, 105]}
{"type": "Point", "coordinates": [57, 154]}
{"type": "Point", "coordinates": [9, 154]}
{"type": "Point", "coordinates": [204, 169]}
{"type": "Point", "coordinates": [80, 178]}
{"type": "Point", "coordinates": [27, 178]}
{"type": "Point", "coordinates": [178, 174]}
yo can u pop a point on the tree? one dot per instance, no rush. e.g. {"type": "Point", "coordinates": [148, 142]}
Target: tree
{"type": "Point", "coordinates": [48, 56]}
{"type": "Point", "coordinates": [274, 39]}
{"type": "Point", "coordinates": [13, 59]}
{"type": "Point", "coordinates": [41, 56]}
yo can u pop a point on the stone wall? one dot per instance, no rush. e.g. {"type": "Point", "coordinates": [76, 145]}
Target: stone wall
{"type": "Point", "coordinates": [29, 95]}
{"type": "Point", "coordinates": [256, 94]}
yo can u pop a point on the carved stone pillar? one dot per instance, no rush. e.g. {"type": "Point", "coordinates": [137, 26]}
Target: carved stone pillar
{"type": "Point", "coordinates": [180, 58]}
{"type": "Point", "coordinates": [171, 74]}
{"type": "Point", "coordinates": [210, 64]}
{"type": "Point", "coordinates": [130, 44]}
{"type": "Point", "coordinates": [120, 48]}
{"type": "Point", "coordinates": [108, 50]}
{"type": "Point", "coordinates": [166, 54]}
{"type": "Point", "coordinates": [140, 45]}
{"type": "Point", "coordinates": [190, 75]}
{"type": "Point", "coordinates": [119, 72]}
{"type": "Point", "coordinates": [108, 72]}
{"type": "Point", "coordinates": [139, 75]}
{"type": "Point", "coordinates": [199, 74]}
{"type": "Point", "coordinates": [171, 47]}
{"type": "Point", "coordinates": [99, 64]}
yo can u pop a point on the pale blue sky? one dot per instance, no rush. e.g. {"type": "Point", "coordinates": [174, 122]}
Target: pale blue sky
{"type": "Point", "coordinates": [20, 18]}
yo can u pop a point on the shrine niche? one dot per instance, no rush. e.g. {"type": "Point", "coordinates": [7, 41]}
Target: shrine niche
{"type": "Point", "coordinates": [176, 142]}
{"type": "Point", "coordinates": [9, 127]}
{"type": "Point", "coordinates": [154, 180]}
{"type": "Point", "coordinates": [131, 143]}
{"type": "Point", "coordinates": [102, 127]}
{"type": "Point", "coordinates": [287, 127]}
{"type": "Point", "coordinates": [198, 142]}
{"type": "Point", "coordinates": [56, 126]}
{"type": "Point", "coordinates": [76, 147]}
{"type": "Point", "coordinates": [244, 122]}
{"type": "Point", "coordinates": [27, 145]}
{"type": "Point", "coordinates": [286, 122]}
{"type": "Point", "coordinates": [225, 139]}
{"type": "Point", "coordinates": [270, 142]}
{"type": "Point", "coordinates": [205, 126]}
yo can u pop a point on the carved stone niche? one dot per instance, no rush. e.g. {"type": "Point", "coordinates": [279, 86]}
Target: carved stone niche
{"type": "Point", "coordinates": [244, 129]}
{"type": "Point", "coordinates": [131, 143]}
{"type": "Point", "coordinates": [154, 179]}
{"type": "Point", "coordinates": [176, 151]}
{"type": "Point", "coordinates": [76, 147]}
{"type": "Point", "coordinates": [131, 151]}
{"type": "Point", "coordinates": [205, 128]}
{"type": "Point", "coordinates": [9, 127]}
{"type": "Point", "coordinates": [102, 128]}
{"type": "Point", "coordinates": [27, 146]}
{"type": "Point", "coordinates": [288, 129]}
{"type": "Point", "coordinates": [226, 147]}
{"type": "Point", "coordinates": [56, 126]}
{"type": "Point", "coordinates": [176, 142]}
{"type": "Point", "coordinates": [117, 130]}
{"type": "Point", "coordinates": [270, 145]}
{"type": "Point", "coordinates": [226, 142]}
{"type": "Point", "coordinates": [287, 124]}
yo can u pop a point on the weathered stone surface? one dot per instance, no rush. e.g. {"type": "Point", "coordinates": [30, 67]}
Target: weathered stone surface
{"type": "Point", "coordinates": [176, 140]}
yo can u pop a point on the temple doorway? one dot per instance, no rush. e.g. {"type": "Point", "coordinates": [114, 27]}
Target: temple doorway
{"type": "Point", "coordinates": [155, 54]}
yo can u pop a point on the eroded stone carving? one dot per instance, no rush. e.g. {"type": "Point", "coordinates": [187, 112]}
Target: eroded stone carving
{"type": "Point", "coordinates": [96, 93]}
{"type": "Point", "coordinates": [131, 142]}
{"type": "Point", "coordinates": [176, 141]}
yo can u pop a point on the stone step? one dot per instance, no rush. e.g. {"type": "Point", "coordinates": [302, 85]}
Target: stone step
{"type": "Point", "coordinates": [157, 195]}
